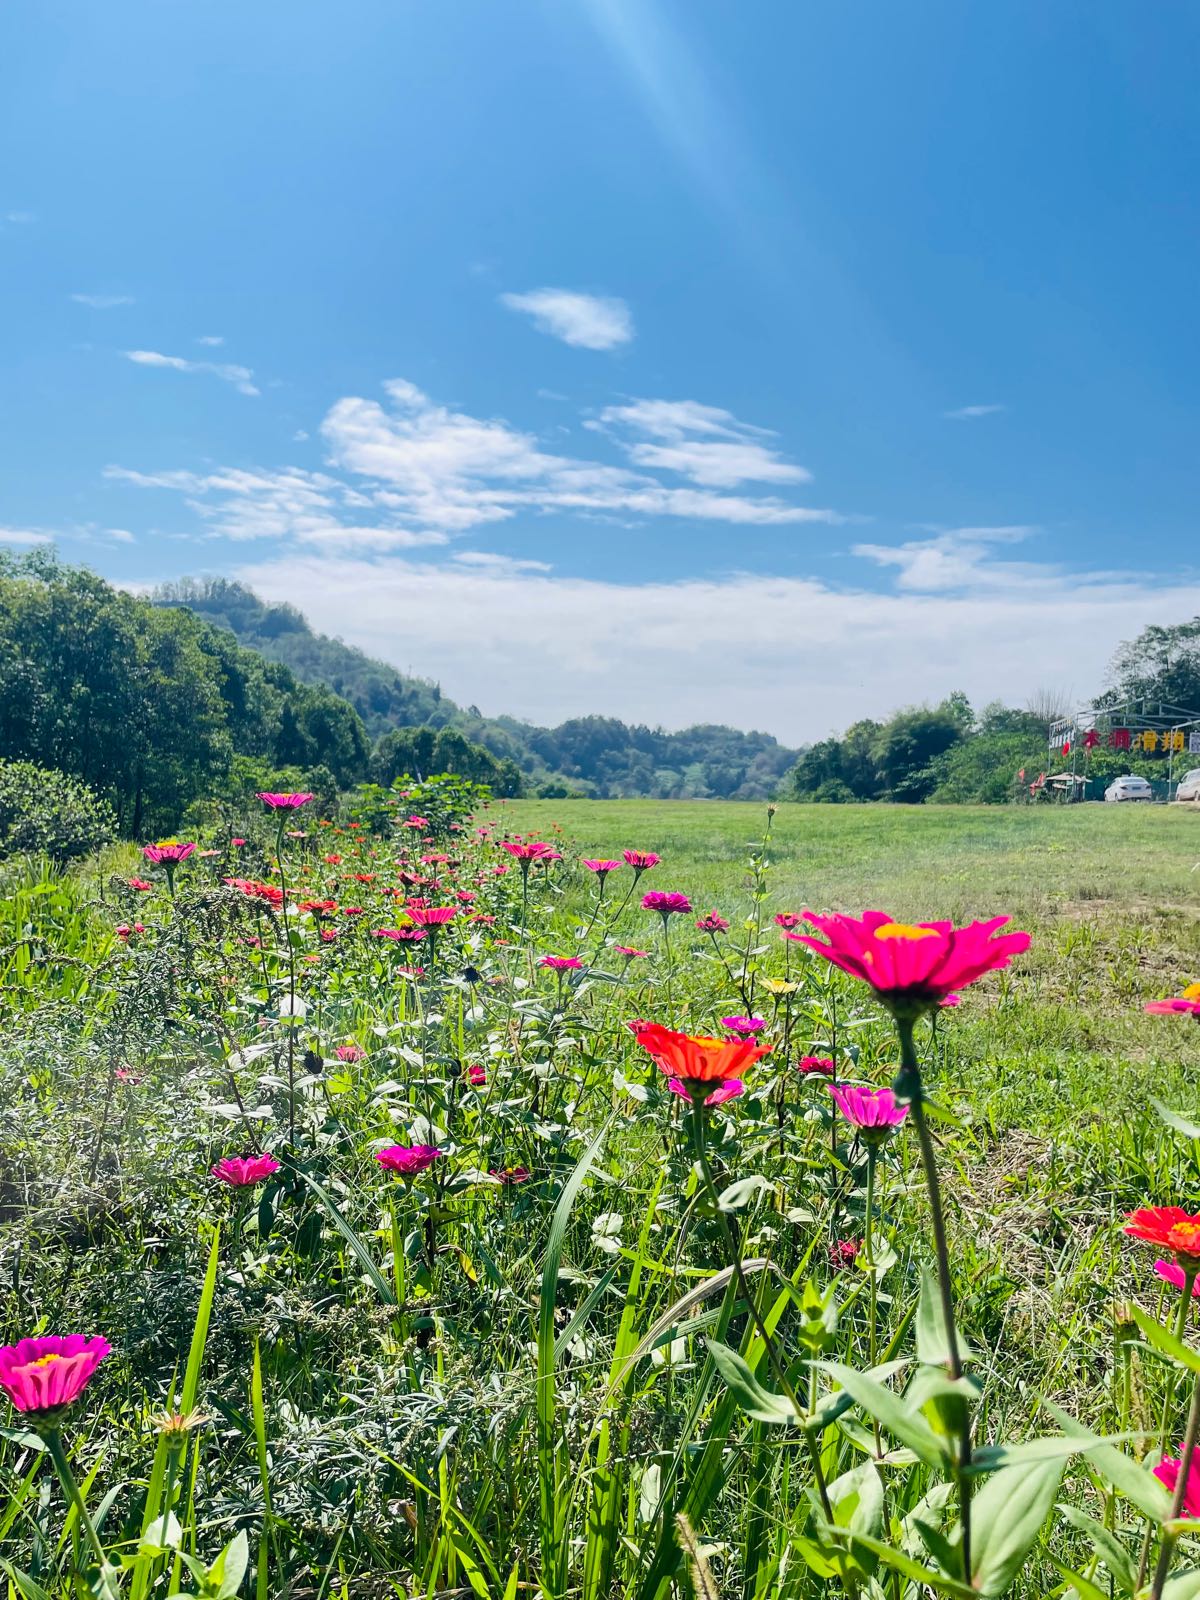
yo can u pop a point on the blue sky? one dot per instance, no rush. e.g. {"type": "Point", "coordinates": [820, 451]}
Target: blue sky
{"type": "Point", "coordinates": [776, 364]}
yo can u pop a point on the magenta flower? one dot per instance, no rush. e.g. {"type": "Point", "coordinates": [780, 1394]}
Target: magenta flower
{"type": "Point", "coordinates": [506, 1175]}
{"type": "Point", "coordinates": [408, 1160]}
{"type": "Point", "coordinates": [822, 1066]}
{"type": "Point", "coordinates": [1185, 1004]}
{"type": "Point", "coordinates": [432, 916]}
{"type": "Point", "coordinates": [1167, 1472]}
{"type": "Point", "coordinates": [912, 967]}
{"type": "Point", "coordinates": [712, 922]}
{"type": "Point", "coordinates": [602, 868]}
{"type": "Point", "coordinates": [640, 860]}
{"type": "Point", "coordinates": [729, 1090]}
{"type": "Point", "coordinates": [844, 1253]}
{"type": "Point", "coordinates": [873, 1113]}
{"type": "Point", "coordinates": [140, 884]}
{"type": "Point", "coordinates": [787, 919]}
{"type": "Point", "coordinates": [476, 1076]}
{"type": "Point", "coordinates": [667, 905]}
{"type": "Point", "coordinates": [284, 802]}
{"type": "Point", "coordinates": [241, 1172]}
{"type": "Point", "coordinates": [350, 1052]}
{"type": "Point", "coordinates": [561, 963]}
{"type": "Point", "coordinates": [399, 935]}
{"type": "Point", "coordinates": [170, 853]}
{"type": "Point", "coordinates": [743, 1025]}
{"type": "Point", "coordinates": [42, 1375]}
{"type": "Point", "coordinates": [527, 851]}
{"type": "Point", "coordinates": [1170, 1272]}
{"type": "Point", "coordinates": [629, 952]}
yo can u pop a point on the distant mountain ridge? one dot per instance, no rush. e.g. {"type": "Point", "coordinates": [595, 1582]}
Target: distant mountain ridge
{"type": "Point", "coordinates": [594, 755]}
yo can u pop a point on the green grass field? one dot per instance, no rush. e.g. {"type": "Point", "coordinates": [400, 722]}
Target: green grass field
{"type": "Point", "coordinates": [473, 1385]}
{"type": "Point", "coordinates": [1034, 861]}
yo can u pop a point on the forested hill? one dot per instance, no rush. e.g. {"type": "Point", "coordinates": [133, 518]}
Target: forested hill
{"type": "Point", "coordinates": [593, 755]}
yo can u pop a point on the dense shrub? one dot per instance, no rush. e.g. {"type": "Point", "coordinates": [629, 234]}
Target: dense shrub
{"type": "Point", "coordinates": [43, 812]}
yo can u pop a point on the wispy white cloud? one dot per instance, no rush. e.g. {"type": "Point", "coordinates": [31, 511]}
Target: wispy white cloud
{"type": "Point", "coordinates": [961, 558]}
{"type": "Point", "coordinates": [969, 413]}
{"type": "Point", "coordinates": [588, 321]}
{"type": "Point", "coordinates": [240, 377]}
{"type": "Point", "coordinates": [121, 535]}
{"type": "Point", "coordinates": [103, 302]}
{"type": "Point", "coordinates": [25, 536]}
{"type": "Point", "coordinates": [550, 647]}
{"type": "Point", "coordinates": [211, 338]}
{"type": "Point", "coordinates": [697, 441]}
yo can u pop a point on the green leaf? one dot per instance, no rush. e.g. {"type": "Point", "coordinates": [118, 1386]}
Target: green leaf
{"type": "Point", "coordinates": [761, 1404]}
{"type": "Point", "coordinates": [1106, 1545]}
{"type": "Point", "coordinates": [1190, 1130]}
{"type": "Point", "coordinates": [1127, 1477]}
{"type": "Point", "coordinates": [857, 1500]}
{"type": "Point", "coordinates": [1183, 1586]}
{"type": "Point", "coordinates": [897, 1560]}
{"type": "Point", "coordinates": [933, 1343]}
{"type": "Point", "coordinates": [225, 1576]}
{"type": "Point", "coordinates": [382, 1287]}
{"type": "Point", "coordinates": [890, 1410]}
{"type": "Point", "coordinates": [1163, 1339]}
{"type": "Point", "coordinates": [1006, 1518]}
{"type": "Point", "coordinates": [742, 1192]}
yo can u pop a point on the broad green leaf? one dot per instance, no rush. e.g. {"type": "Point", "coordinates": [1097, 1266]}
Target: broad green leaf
{"type": "Point", "coordinates": [1190, 1130]}
{"type": "Point", "coordinates": [1163, 1339]}
{"type": "Point", "coordinates": [1127, 1477]}
{"type": "Point", "coordinates": [933, 1343]}
{"type": "Point", "coordinates": [1006, 1518]}
{"type": "Point", "coordinates": [761, 1404]}
{"type": "Point", "coordinates": [1106, 1545]}
{"type": "Point", "coordinates": [889, 1410]}
{"type": "Point", "coordinates": [742, 1192]}
{"type": "Point", "coordinates": [224, 1577]}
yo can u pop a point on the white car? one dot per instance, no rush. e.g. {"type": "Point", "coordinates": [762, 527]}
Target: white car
{"type": "Point", "coordinates": [1128, 788]}
{"type": "Point", "coordinates": [1189, 786]}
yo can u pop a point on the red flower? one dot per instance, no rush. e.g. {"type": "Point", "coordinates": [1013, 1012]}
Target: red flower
{"type": "Point", "coordinates": [912, 967]}
{"type": "Point", "coordinates": [1168, 1228]}
{"type": "Point", "coordinates": [822, 1065]}
{"type": "Point", "coordinates": [139, 884]}
{"type": "Point", "coordinates": [695, 1058]}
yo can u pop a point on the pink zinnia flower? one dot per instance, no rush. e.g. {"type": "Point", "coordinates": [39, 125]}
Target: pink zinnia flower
{"type": "Point", "coordinates": [432, 916]}
{"type": "Point", "coordinates": [170, 853]}
{"type": "Point", "coordinates": [1185, 1004]}
{"type": "Point", "coordinates": [602, 868]}
{"type": "Point", "coordinates": [640, 860]}
{"type": "Point", "coordinates": [42, 1375]}
{"type": "Point", "coordinates": [350, 1052]}
{"type": "Point", "coordinates": [242, 1171]}
{"type": "Point", "coordinates": [408, 1160]}
{"type": "Point", "coordinates": [476, 1076]}
{"type": "Point", "coordinates": [874, 1113]}
{"type": "Point", "coordinates": [821, 1065]}
{"type": "Point", "coordinates": [1170, 1273]}
{"type": "Point", "coordinates": [667, 905]}
{"type": "Point", "coordinates": [912, 967]}
{"type": "Point", "coordinates": [561, 963]}
{"type": "Point", "coordinates": [1167, 1472]}
{"type": "Point", "coordinates": [237, 843]}
{"type": "Point", "coordinates": [743, 1025]}
{"type": "Point", "coordinates": [416, 822]}
{"type": "Point", "coordinates": [729, 1090]}
{"type": "Point", "coordinates": [283, 802]}
{"type": "Point", "coordinates": [139, 884]}
{"type": "Point", "coordinates": [525, 852]}
{"type": "Point", "coordinates": [329, 935]}
{"type": "Point", "coordinates": [629, 952]}
{"type": "Point", "coordinates": [510, 1174]}
{"type": "Point", "coordinates": [787, 919]}
{"type": "Point", "coordinates": [399, 935]}
{"type": "Point", "coordinates": [638, 1026]}
{"type": "Point", "coordinates": [712, 922]}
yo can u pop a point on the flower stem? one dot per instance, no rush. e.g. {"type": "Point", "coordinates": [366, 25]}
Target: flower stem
{"type": "Point", "coordinates": [910, 1087]}
{"type": "Point", "coordinates": [62, 1466]}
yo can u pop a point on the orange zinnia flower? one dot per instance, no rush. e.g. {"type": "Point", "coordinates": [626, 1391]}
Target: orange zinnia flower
{"type": "Point", "coordinates": [697, 1059]}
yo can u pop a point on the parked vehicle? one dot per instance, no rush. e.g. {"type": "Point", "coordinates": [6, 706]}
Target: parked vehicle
{"type": "Point", "coordinates": [1128, 788]}
{"type": "Point", "coordinates": [1189, 786]}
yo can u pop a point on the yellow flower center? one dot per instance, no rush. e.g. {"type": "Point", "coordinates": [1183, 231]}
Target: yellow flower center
{"type": "Point", "coordinates": [904, 930]}
{"type": "Point", "coordinates": [1185, 1237]}
{"type": "Point", "coordinates": [44, 1361]}
{"type": "Point", "coordinates": [1192, 992]}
